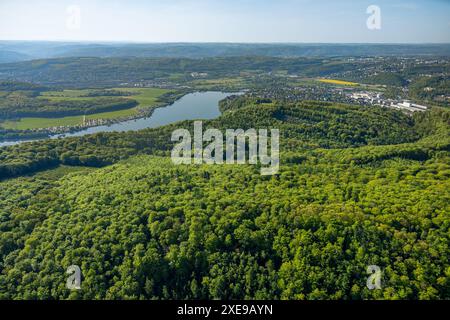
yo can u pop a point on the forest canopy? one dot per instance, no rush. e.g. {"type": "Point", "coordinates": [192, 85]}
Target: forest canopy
{"type": "Point", "coordinates": [357, 187]}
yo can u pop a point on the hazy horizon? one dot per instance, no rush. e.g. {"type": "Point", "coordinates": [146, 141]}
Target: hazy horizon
{"type": "Point", "coordinates": [219, 42]}
{"type": "Point", "coordinates": [213, 21]}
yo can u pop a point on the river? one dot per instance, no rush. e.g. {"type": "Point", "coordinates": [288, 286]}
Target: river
{"type": "Point", "coordinates": [193, 106]}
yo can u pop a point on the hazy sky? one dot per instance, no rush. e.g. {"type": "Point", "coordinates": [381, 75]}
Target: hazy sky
{"type": "Point", "coordinates": [224, 20]}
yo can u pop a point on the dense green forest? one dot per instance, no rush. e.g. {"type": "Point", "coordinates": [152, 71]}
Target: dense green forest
{"type": "Point", "coordinates": [357, 186]}
{"type": "Point", "coordinates": [429, 89]}
{"type": "Point", "coordinates": [389, 79]}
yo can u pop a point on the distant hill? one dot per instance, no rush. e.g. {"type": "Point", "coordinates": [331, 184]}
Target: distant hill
{"type": "Point", "coordinates": [25, 50]}
{"type": "Point", "coordinates": [11, 56]}
{"type": "Point", "coordinates": [88, 71]}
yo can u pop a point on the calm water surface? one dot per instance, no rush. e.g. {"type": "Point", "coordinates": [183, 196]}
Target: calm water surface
{"type": "Point", "coordinates": [197, 105]}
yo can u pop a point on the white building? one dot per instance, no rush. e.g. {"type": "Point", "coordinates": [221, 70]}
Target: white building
{"type": "Point", "coordinates": [406, 105]}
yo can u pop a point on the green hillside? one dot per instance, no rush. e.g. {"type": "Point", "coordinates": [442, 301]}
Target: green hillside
{"type": "Point", "coordinates": [357, 187]}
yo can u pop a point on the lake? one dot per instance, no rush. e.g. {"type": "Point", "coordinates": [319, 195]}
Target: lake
{"type": "Point", "coordinates": [193, 106]}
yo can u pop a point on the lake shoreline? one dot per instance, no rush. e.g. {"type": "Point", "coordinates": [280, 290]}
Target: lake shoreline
{"type": "Point", "coordinates": [120, 123]}
{"type": "Point", "coordinates": [49, 132]}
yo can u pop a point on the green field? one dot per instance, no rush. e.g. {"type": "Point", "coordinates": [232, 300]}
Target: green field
{"type": "Point", "coordinates": [65, 95]}
{"type": "Point", "coordinates": [222, 82]}
{"type": "Point", "coordinates": [36, 123]}
{"type": "Point", "coordinates": [146, 97]}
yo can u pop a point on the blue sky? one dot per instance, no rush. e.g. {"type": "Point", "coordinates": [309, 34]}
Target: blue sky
{"type": "Point", "coordinates": [337, 21]}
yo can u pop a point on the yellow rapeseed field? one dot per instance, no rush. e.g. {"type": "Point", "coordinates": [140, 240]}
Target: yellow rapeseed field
{"type": "Point", "coordinates": [341, 82]}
